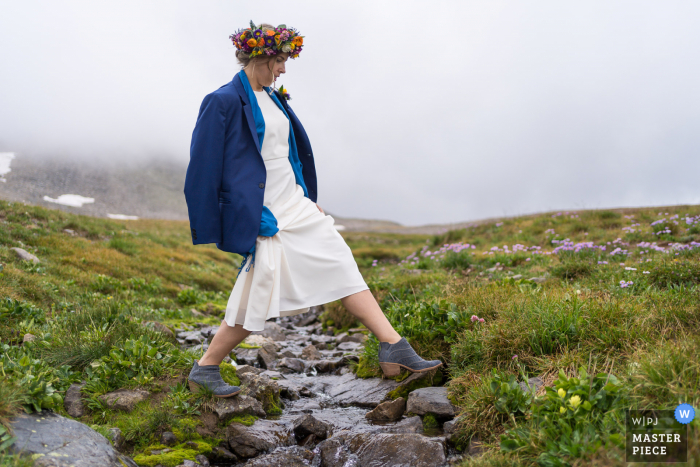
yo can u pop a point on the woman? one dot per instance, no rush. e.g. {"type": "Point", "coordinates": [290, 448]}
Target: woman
{"type": "Point", "coordinates": [251, 189]}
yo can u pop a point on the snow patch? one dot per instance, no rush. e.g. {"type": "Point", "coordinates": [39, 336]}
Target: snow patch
{"type": "Point", "coordinates": [76, 201]}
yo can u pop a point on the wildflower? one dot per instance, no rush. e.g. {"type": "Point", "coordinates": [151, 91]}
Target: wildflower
{"type": "Point", "coordinates": [481, 320]}
{"type": "Point", "coordinates": [561, 392]}
{"type": "Point", "coordinates": [514, 357]}
{"type": "Point", "coordinates": [575, 401]}
{"type": "Point", "coordinates": [645, 272]}
{"type": "Point", "coordinates": [252, 42]}
{"type": "Point", "coordinates": [474, 318]}
{"type": "Point", "coordinates": [630, 269]}
{"type": "Point", "coordinates": [562, 410]}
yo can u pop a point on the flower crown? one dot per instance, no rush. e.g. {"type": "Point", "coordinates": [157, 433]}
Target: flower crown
{"type": "Point", "coordinates": [268, 41]}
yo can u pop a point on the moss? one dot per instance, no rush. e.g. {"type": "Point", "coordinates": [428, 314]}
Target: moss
{"type": "Point", "coordinates": [429, 421]}
{"type": "Point", "coordinates": [243, 345]}
{"type": "Point", "coordinates": [272, 404]}
{"type": "Point", "coordinates": [175, 456]}
{"type": "Point", "coordinates": [366, 369]}
{"type": "Point", "coordinates": [246, 420]}
{"type": "Point", "coordinates": [404, 389]}
{"type": "Point", "coordinates": [330, 322]}
{"type": "Point", "coordinates": [228, 374]}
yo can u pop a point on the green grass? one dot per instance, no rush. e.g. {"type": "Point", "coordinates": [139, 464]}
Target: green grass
{"type": "Point", "coordinates": [460, 296]}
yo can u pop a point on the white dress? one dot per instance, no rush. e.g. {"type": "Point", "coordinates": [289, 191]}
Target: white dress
{"type": "Point", "coordinates": [307, 262]}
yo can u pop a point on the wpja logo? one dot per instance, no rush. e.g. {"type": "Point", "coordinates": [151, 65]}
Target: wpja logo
{"type": "Point", "coordinates": [658, 435]}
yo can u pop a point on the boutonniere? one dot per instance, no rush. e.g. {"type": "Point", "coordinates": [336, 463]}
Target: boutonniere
{"type": "Point", "coordinates": [284, 93]}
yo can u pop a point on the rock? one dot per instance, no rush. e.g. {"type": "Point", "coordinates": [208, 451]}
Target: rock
{"type": "Point", "coordinates": [348, 389]}
{"type": "Point", "coordinates": [69, 232]}
{"type": "Point", "coordinates": [308, 425]}
{"type": "Point", "coordinates": [517, 276]}
{"type": "Point", "coordinates": [390, 410]}
{"type": "Point", "coordinates": [160, 327]}
{"type": "Point", "coordinates": [168, 438]}
{"type": "Point", "coordinates": [28, 338]}
{"type": "Point", "coordinates": [267, 356]}
{"type": "Point", "coordinates": [430, 400]}
{"type": "Point", "coordinates": [535, 384]}
{"type": "Point", "coordinates": [263, 389]}
{"type": "Point", "coordinates": [25, 255]}
{"type": "Point", "coordinates": [537, 280]}
{"type": "Point", "coordinates": [310, 352]}
{"type": "Point", "coordinates": [407, 425]}
{"type": "Point", "coordinates": [227, 408]}
{"type": "Point", "coordinates": [321, 339]}
{"type": "Point", "coordinates": [257, 339]}
{"type": "Point", "coordinates": [116, 437]}
{"type": "Point", "coordinates": [291, 456]}
{"type": "Point", "coordinates": [191, 337]}
{"type": "Point", "coordinates": [293, 364]}
{"type": "Point", "coordinates": [246, 356]}
{"type": "Point", "coordinates": [328, 365]}
{"type": "Point", "coordinates": [349, 346]}
{"type": "Point", "coordinates": [196, 313]}
{"type": "Point", "coordinates": [288, 353]}
{"type": "Point", "coordinates": [202, 460]}
{"type": "Point", "coordinates": [381, 449]}
{"type": "Point", "coordinates": [272, 374]}
{"type": "Point", "coordinates": [57, 441]}
{"type": "Point", "coordinates": [73, 403]}
{"type": "Point", "coordinates": [124, 399]}
{"type": "Point", "coordinates": [262, 436]}
{"type": "Point", "coordinates": [359, 338]}
{"type": "Point", "coordinates": [243, 369]}
{"type": "Point", "coordinates": [273, 331]}
{"type": "Point", "coordinates": [220, 454]}
{"type": "Point", "coordinates": [475, 447]}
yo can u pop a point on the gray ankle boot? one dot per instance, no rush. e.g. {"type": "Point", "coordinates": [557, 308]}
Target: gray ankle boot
{"type": "Point", "coordinates": [209, 376]}
{"type": "Point", "coordinates": [394, 356]}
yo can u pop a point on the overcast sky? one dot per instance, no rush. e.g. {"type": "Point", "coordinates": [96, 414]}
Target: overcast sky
{"type": "Point", "coordinates": [418, 112]}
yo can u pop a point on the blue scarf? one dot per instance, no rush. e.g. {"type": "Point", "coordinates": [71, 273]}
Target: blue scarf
{"type": "Point", "coordinates": [268, 222]}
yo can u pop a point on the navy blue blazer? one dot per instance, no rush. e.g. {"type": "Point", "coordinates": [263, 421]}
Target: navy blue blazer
{"type": "Point", "coordinates": [226, 176]}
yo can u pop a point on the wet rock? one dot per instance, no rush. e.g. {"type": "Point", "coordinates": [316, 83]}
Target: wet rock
{"type": "Point", "coordinates": [308, 425]}
{"type": "Point", "coordinates": [385, 449]}
{"type": "Point", "coordinates": [226, 409]}
{"type": "Point", "coordinates": [61, 442]}
{"type": "Point", "coordinates": [310, 352]}
{"type": "Point", "coordinates": [292, 364]}
{"type": "Point", "coordinates": [262, 436]}
{"type": "Point", "coordinates": [348, 389]}
{"type": "Point", "coordinates": [116, 437]}
{"type": "Point", "coordinates": [124, 399]}
{"type": "Point", "coordinates": [288, 353]}
{"type": "Point", "coordinates": [535, 384]}
{"type": "Point", "coordinates": [273, 331]}
{"type": "Point", "coordinates": [407, 425]}
{"type": "Point", "coordinates": [160, 327]}
{"type": "Point", "coordinates": [272, 374]}
{"type": "Point", "coordinates": [344, 337]}
{"type": "Point", "coordinates": [430, 400]}
{"type": "Point", "coordinates": [73, 403]}
{"type": "Point", "coordinates": [202, 460]}
{"type": "Point", "coordinates": [414, 381]}
{"type": "Point", "coordinates": [292, 456]}
{"type": "Point", "coordinates": [25, 255]}
{"type": "Point", "coordinates": [243, 369]}
{"type": "Point", "coordinates": [321, 339]}
{"type": "Point", "coordinates": [390, 410]}
{"type": "Point", "coordinates": [168, 438]}
{"type": "Point", "coordinates": [191, 337]}
{"type": "Point", "coordinates": [329, 365]}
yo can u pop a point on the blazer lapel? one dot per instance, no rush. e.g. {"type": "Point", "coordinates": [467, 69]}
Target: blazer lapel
{"type": "Point", "coordinates": [246, 109]}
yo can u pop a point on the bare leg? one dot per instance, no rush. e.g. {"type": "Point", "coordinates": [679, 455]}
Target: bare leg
{"type": "Point", "coordinates": [364, 307]}
{"type": "Point", "coordinates": [222, 344]}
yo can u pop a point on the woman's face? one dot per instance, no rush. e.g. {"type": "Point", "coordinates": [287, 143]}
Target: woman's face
{"type": "Point", "coordinates": [266, 75]}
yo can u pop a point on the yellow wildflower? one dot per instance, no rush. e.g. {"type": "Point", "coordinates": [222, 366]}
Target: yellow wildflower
{"type": "Point", "coordinates": [575, 401]}
{"type": "Point", "coordinates": [252, 42]}
{"type": "Point", "coordinates": [562, 410]}
{"type": "Point", "coordinates": [561, 393]}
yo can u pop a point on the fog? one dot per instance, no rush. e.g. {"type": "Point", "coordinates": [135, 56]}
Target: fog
{"type": "Point", "coordinates": [417, 112]}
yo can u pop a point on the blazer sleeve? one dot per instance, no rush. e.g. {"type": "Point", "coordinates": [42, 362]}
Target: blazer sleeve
{"type": "Point", "coordinates": [204, 172]}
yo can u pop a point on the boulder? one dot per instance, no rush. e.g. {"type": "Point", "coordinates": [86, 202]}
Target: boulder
{"type": "Point", "coordinates": [292, 364]}
{"type": "Point", "coordinates": [385, 449]}
{"type": "Point", "coordinates": [25, 255]}
{"type": "Point", "coordinates": [227, 408]}
{"type": "Point", "coordinates": [202, 460]}
{"type": "Point", "coordinates": [348, 389]}
{"type": "Point", "coordinates": [116, 437]}
{"type": "Point", "coordinates": [246, 356]}
{"type": "Point", "coordinates": [390, 410]}
{"type": "Point", "coordinates": [286, 456]}
{"type": "Point", "coordinates": [242, 369]}
{"type": "Point", "coordinates": [310, 352]}
{"type": "Point", "coordinates": [359, 338]}
{"type": "Point", "coordinates": [124, 399]}
{"type": "Point", "coordinates": [168, 438]}
{"type": "Point", "coordinates": [321, 339]}
{"type": "Point", "coordinates": [349, 346]}
{"type": "Point", "coordinates": [267, 356]}
{"type": "Point", "coordinates": [57, 441]}
{"type": "Point", "coordinates": [430, 400]}
{"type": "Point", "coordinates": [263, 389]}
{"type": "Point", "coordinates": [261, 437]}
{"type": "Point", "coordinates": [73, 402]}
{"type": "Point", "coordinates": [221, 455]}
{"type": "Point", "coordinates": [328, 365]}
{"type": "Point", "coordinates": [308, 425]}
{"type": "Point", "coordinates": [407, 425]}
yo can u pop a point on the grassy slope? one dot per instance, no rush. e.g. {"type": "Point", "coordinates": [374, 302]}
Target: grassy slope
{"type": "Point", "coordinates": [130, 272]}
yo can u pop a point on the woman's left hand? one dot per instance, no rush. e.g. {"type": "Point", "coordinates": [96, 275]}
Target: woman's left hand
{"type": "Point", "coordinates": [319, 208]}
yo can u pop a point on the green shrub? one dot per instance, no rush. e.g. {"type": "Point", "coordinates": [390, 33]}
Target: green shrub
{"type": "Point", "coordinates": [674, 273]}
